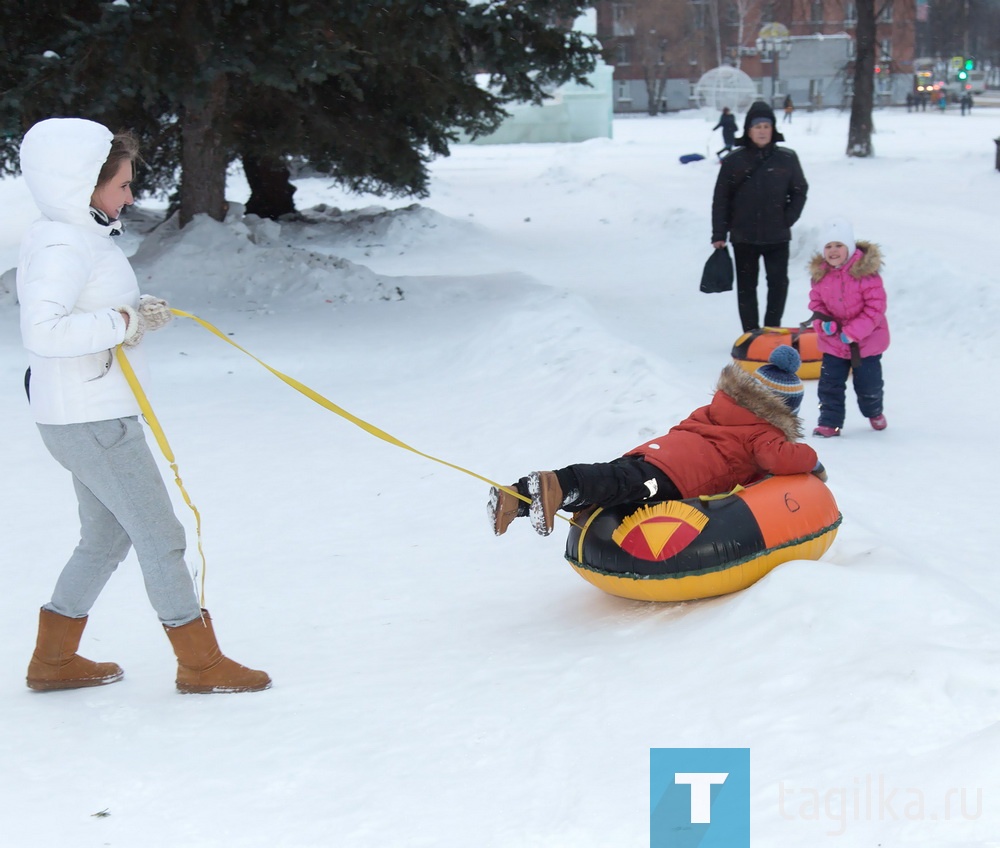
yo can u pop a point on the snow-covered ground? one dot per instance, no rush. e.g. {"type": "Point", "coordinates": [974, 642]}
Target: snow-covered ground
{"type": "Point", "coordinates": [437, 686]}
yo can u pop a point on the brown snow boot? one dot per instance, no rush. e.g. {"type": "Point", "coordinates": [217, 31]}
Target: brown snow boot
{"type": "Point", "coordinates": [546, 498]}
{"type": "Point", "coordinates": [201, 666]}
{"type": "Point", "coordinates": [503, 507]}
{"type": "Point", "coordinates": [55, 663]}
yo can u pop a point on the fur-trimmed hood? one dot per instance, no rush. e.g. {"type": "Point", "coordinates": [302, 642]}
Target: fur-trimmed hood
{"type": "Point", "coordinates": [745, 433]}
{"type": "Point", "coordinates": [868, 263]}
{"type": "Point", "coordinates": [747, 391]}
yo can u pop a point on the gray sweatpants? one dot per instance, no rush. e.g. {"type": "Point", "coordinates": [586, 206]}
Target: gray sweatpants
{"type": "Point", "coordinates": [123, 502]}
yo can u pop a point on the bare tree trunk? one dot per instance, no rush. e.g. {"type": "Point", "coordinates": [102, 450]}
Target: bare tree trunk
{"type": "Point", "coordinates": [655, 83]}
{"type": "Point", "coordinates": [745, 9]}
{"type": "Point", "coordinates": [859, 136]}
{"type": "Point", "coordinates": [656, 25]}
{"type": "Point", "coordinates": [204, 157]}
{"type": "Point", "coordinates": [718, 33]}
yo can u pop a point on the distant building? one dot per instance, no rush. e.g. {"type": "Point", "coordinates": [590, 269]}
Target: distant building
{"type": "Point", "coordinates": [815, 64]}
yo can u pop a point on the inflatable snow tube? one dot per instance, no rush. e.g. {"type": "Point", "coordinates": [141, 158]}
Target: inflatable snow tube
{"type": "Point", "coordinates": [752, 349]}
{"type": "Point", "coordinates": [703, 547]}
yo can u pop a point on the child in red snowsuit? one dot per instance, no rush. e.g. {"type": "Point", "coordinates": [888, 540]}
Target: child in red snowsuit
{"type": "Point", "coordinates": [749, 430]}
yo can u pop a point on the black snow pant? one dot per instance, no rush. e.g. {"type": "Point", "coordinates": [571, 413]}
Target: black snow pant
{"type": "Point", "coordinates": [747, 257]}
{"type": "Point", "coordinates": [628, 479]}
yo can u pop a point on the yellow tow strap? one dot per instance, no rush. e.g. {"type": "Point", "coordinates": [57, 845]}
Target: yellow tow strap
{"type": "Point", "coordinates": [316, 397]}
{"type": "Point", "coordinates": [161, 440]}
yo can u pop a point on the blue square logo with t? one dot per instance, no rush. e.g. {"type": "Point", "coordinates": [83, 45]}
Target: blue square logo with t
{"type": "Point", "coordinates": [699, 798]}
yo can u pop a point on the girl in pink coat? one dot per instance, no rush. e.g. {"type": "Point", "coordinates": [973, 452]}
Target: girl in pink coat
{"type": "Point", "coordinates": [848, 303]}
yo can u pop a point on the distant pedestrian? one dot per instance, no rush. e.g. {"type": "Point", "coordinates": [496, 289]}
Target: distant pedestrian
{"type": "Point", "coordinates": [727, 121]}
{"type": "Point", "coordinates": [789, 108]}
{"type": "Point", "coordinates": [942, 100]}
{"type": "Point", "coordinates": [966, 103]}
{"type": "Point", "coordinates": [910, 102]}
{"type": "Point", "coordinates": [922, 101]}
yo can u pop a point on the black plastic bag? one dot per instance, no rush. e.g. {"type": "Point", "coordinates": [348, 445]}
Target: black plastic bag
{"type": "Point", "coordinates": [718, 273]}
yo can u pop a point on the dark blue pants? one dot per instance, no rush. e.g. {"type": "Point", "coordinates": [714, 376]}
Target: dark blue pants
{"type": "Point", "coordinates": [747, 258]}
{"type": "Point", "coordinates": [833, 388]}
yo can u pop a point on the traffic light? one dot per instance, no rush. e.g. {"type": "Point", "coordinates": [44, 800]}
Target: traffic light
{"type": "Point", "coordinates": [970, 64]}
{"type": "Point", "coordinates": [963, 74]}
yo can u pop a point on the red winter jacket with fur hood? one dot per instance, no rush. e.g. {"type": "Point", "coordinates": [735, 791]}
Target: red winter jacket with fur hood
{"type": "Point", "coordinates": [744, 434]}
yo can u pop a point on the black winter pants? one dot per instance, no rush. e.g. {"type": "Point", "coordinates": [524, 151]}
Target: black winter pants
{"type": "Point", "coordinates": [747, 257]}
{"type": "Point", "coordinates": [628, 479]}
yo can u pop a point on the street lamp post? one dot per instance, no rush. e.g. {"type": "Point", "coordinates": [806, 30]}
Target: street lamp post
{"type": "Point", "coordinates": [773, 41]}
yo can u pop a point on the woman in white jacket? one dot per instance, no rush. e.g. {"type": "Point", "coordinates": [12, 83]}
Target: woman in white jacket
{"type": "Point", "coordinates": [79, 300]}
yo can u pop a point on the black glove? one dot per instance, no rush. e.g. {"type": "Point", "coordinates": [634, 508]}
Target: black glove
{"type": "Point", "coordinates": [820, 471]}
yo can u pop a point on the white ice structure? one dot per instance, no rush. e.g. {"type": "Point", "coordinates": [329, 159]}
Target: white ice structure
{"type": "Point", "coordinates": [725, 86]}
{"type": "Point", "coordinates": [573, 113]}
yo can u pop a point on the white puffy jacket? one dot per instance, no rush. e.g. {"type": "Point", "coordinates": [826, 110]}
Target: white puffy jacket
{"type": "Point", "coordinates": [71, 279]}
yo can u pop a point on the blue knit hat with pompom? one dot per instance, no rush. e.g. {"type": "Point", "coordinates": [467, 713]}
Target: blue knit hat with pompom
{"type": "Point", "coordinates": [779, 376]}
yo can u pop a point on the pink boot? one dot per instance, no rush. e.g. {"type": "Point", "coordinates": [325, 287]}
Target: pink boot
{"type": "Point", "coordinates": [826, 432]}
{"type": "Point", "coordinates": [878, 422]}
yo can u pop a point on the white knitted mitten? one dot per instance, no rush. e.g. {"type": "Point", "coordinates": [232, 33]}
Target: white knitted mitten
{"type": "Point", "coordinates": [155, 311]}
{"type": "Point", "coordinates": [136, 326]}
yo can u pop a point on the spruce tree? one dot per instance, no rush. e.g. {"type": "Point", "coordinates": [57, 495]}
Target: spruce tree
{"type": "Point", "coordinates": [368, 93]}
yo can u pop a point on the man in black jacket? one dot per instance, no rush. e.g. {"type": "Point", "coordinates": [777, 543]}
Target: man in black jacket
{"type": "Point", "coordinates": [759, 195]}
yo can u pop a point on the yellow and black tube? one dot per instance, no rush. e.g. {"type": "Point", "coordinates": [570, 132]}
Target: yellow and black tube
{"type": "Point", "coordinates": [703, 547]}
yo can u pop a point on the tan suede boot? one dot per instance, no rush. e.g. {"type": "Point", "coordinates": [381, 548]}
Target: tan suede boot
{"type": "Point", "coordinates": [502, 508]}
{"type": "Point", "coordinates": [55, 663]}
{"type": "Point", "coordinates": [201, 666]}
{"type": "Point", "coordinates": [546, 498]}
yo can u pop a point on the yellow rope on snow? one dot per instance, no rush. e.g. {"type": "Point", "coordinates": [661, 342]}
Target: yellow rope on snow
{"type": "Point", "coordinates": [316, 397]}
